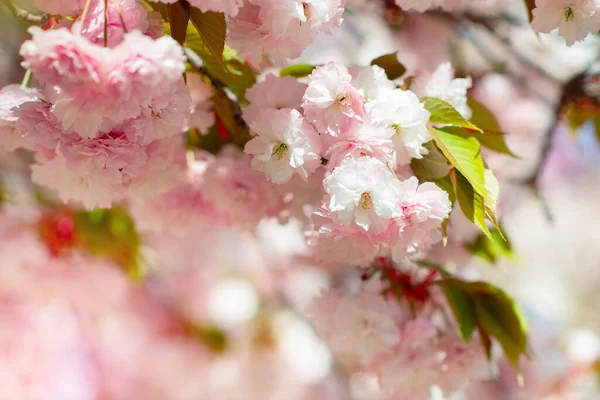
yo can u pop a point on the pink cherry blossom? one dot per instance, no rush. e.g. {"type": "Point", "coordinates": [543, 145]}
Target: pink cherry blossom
{"type": "Point", "coordinates": [424, 5]}
{"type": "Point", "coordinates": [402, 110]}
{"type": "Point", "coordinates": [62, 7]}
{"type": "Point", "coordinates": [426, 357]}
{"type": "Point", "coordinates": [574, 19]}
{"type": "Point", "coordinates": [334, 245]}
{"type": "Point", "coordinates": [443, 85]}
{"type": "Point", "coordinates": [424, 208]}
{"type": "Point", "coordinates": [233, 186]}
{"type": "Point", "coordinates": [60, 58]}
{"type": "Point", "coordinates": [273, 92]}
{"type": "Point", "coordinates": [134, 14]}
{"type": "Point", "coordinates": [203, 115]}
{"type": "Point", "coordinates": [358, 327]}
{"type": "Point", "coordinates": [99, 88]}
{"type": "Point", "coordinates": [330, 101]}
{"type": "Point", "coordinates": [364, 192]}
{"type": "Point", "coordinates": [285, 144]}
{"type": "Point", "coordinates": [12, 96]}
{"type": "Point", "coordinates": [369, 139]}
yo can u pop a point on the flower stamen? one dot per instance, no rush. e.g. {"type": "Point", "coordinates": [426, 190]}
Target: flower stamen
{"type": "Point", "coordinates": [280, 151]}
{"type": "Point", "coordinates": [569, 15]}
{"type": "Point", "coordinates": [365, 202]}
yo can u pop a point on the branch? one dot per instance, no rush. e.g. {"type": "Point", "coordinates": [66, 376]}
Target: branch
{"type": "Point", "coordinates": [24, 14]}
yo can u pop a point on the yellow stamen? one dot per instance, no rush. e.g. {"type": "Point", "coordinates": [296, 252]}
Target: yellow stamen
{"type": "Point", "coordinates": [569, 15]}
{"type": "Point", "coordinates": [365, 201]}
{"type": "Point", "coordinates": [280, 151]}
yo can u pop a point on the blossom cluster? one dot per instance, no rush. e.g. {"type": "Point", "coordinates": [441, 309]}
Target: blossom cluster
{"type": "Point", "coordinates": [387, 353]}
{"type": "Point", "coordinates": [277, 29]}
{"type": "Point", "coordinates": [361, 131]}
{"type": "Point", "coordinates": [107, 122]}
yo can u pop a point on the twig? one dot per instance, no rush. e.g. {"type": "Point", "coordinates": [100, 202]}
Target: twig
{"type": "Point", "coordinates": [24, 14]}
{"type": "Point", "coordinates": [570, 90]}
{"type": "Point", "coordinates": [105, 23]}
{"type": "Point", "coordinates": [118, 7]}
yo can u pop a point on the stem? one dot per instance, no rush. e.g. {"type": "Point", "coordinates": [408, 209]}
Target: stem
{"type": "Point", "coordinates": [120, 16]}
{"type": "Point", "coordinates": [25, 15]}
{"type": "Point", "coordinates": [84, 13]}
{"type": "Point", "coordinates": [26, 79]}
{"type": "Point", "coordinates": [105, 23]}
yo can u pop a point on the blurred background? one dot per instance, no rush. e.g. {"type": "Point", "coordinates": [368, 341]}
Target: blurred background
{"type": "Point", "coordinates": [549, 208]}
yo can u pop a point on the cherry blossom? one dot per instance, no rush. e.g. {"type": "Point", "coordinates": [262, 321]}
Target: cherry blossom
{"type": "Point", "coordinates": [369, 139]}
{"type": "Point", "coordinates": [574, 19]}
{"type": "Point", "coordinates": [12, 96]}
{"type": "Point", "coordinates": [424, 5]}
{"type": "Point", "coordinates": [285, 144]}
{"type": "Point", "coordinates": [443, 85]}
{"type": "Point", "coordinates": [273, 92]}
{"type": "Point", "coordinates": [357, 328]}
{"type": "Point", "coordinates": [402, 110]}
{"type": "Point", "coordinates": [330, 101]}
{"type": "Point", "coordinates": [62, 7]}
{"type": "Point", "coordinates": [203, 116]}
{"type": "Point", "coordinates": [424, 208]}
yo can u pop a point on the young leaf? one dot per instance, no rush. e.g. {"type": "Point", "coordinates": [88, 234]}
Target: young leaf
{"type": "Point", "coordinates": [297, 70]}
{"type": "Point", "coordinates": [492, 140]}
{"type": "Point", "coordinates": [444, 113]}
{"type": "Point", "coordinates": [179, 16]}
{"type": "Point", "coordinates": [492, 249]}
{"type": "Point", "coordinates": [482, 116]}
{"type": "Point", "coordinates": [446, 185]}
{"type": "Point", "coordinates": [111, 233]}
{"type": "Point", "coordinates": [432, 166]}
{"type": "Point", "coordinates": [471, 203]}
{"type": "Point", "coordinates": [462, 307]}
{"type": "Point", "coordinates": [230, 71]}
{"type": "Point", "coordinates": [501, 319]}
{"type": "Point", "coordinates": [464, 154]}
{"type": "Point", "coordinates": [212, 29]}
{"type": "Point", "coordinates": [389, 62]}
{"type": "Point", "coordinates": [492, 311]}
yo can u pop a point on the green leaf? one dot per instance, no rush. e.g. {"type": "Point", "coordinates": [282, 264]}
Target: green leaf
{"type": "Point", "coordinates": [501, 319]}
{"type": "Point", "coordinates": [179, 16]}
{"type": "Point", "coordinates": [231, 72]}
{"type": "Point", "coordinates": [212, 337]}
{"type": "Point", "coordinates": [462, 307]}
{"type": "Point", "coordinates": [212, 29]}
{"type": "Point", "coordinates": [482, 116]}
{"type": "Point", "coordinates": [212, 141]}
{"type": "Point", "coordinates": [492, 249]}
{"type": "Point", "coordinates": [297, 70]}
{"type": "Point", "coordinates": [446, 185]}
{"type": "Point", "coordinates": [110, 233]}
{"type": "Point", "coordinates": [471, 203]}
{"type": "Point", "coordinates": [492, 140]}
{"type": "Point", "coordinates": [389, 62]}
{"type": "Point", "coordinates": [464, 154]}
{"type": "Point", "coordinates": [492, 311]}
{"type": "Point", "coordinates": [444, 113]}
{"type": "Point", "coordinates": [432, 166]}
